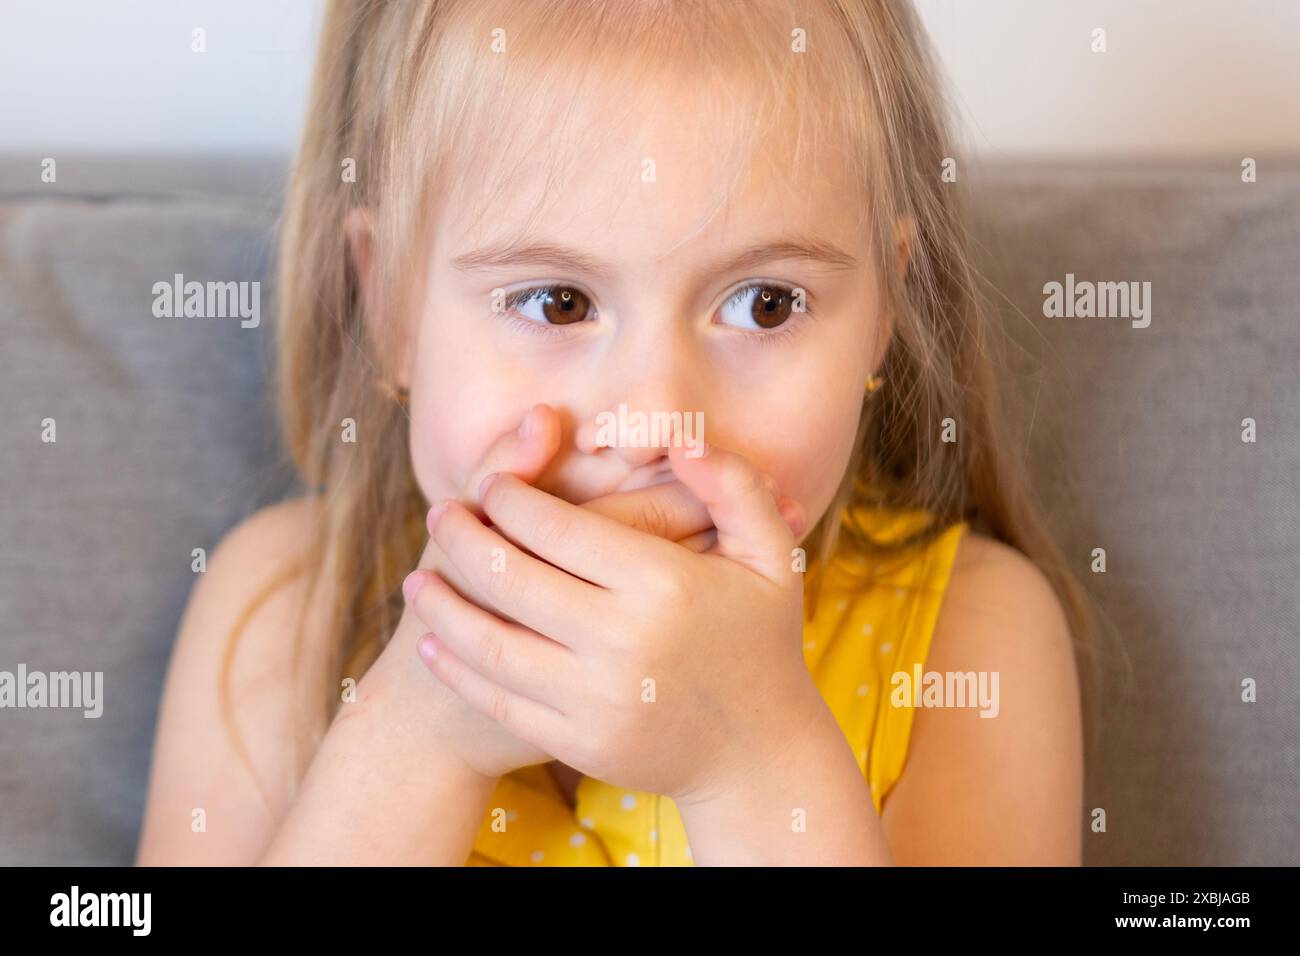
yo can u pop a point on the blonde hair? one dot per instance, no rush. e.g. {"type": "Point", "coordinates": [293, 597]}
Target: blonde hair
{"type": "Point", "coordinates": [401, 88]}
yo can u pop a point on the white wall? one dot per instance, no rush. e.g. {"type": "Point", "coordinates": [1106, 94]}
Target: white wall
{"type": "Point", "coordinates": [1179, 78]}
{"type": "Point", "coordinates": [1184, 78]}
{"type": "Point", "coordinates": [120, 75]}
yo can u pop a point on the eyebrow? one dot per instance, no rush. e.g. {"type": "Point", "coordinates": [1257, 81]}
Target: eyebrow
{"type": "Point", "coordinates": [518, 251]}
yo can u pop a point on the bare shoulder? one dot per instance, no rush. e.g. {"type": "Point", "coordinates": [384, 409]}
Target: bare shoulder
{"type": "Point", "coordinates": [242, 615]}
{"type": "Point", "coordinates": [255, 579]}
{"type": "Point", "coordinates": [999, 783]}
{"type": "Point", "coordinates": [993, 581]}
{"type": "Point", "coordinates": [275, 524]}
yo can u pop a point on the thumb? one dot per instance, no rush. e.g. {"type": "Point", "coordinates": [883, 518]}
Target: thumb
{"type": "Point", "coordinates": [742, 502]}
{"type": "Point", "coordinates": [524, 453]}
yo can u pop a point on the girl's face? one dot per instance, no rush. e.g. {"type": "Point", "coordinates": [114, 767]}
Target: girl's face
{"type": "Point", "coordinates": [660, 315]}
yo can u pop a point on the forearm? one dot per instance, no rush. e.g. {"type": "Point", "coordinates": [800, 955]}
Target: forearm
{"type": "Point", "coordinates": [809, 807]}
{"type": "Point", "coordinates": [377, 794]}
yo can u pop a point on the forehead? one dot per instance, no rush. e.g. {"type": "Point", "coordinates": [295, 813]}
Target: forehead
{"type": "Point", "coordinates": [652, 157]}
{"type": "Point", "coordinates": [660, 174]}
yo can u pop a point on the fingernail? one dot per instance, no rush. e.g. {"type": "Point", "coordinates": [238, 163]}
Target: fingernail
{"type": "Point", "coordinates": [411, 586]}
{"type": "Point", "coordinates": [435, 513]}
{"type": "Point", "coordinates": [526, 426]}
{"type": "Point", "coordinates": [428, 648]}
{"type": "Point", "coordinates": [485, 484]}
{"type": "Point", "coordinates": [793, 516]}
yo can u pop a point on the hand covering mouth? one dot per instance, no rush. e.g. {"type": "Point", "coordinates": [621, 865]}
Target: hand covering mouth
{"type": "Point", "coordinates": [656, 474]}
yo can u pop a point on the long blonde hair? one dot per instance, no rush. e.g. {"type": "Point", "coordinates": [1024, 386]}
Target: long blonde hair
{"type": "Point", "coordinates": [399, 91]}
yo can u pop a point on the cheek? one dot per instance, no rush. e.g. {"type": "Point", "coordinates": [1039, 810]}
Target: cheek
{"type": "Point", "coordinates": [443, 445]}
{"type": "Point", "coordinates": [458, 410]}
{"type": "Point", "coordinates": [805, 441]}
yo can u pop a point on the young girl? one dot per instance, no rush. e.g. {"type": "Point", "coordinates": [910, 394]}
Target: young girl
{"type": "Point", "coordinates": [841, 635]}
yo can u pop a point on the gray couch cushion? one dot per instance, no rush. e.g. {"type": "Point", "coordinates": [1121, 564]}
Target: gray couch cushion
{"type": "Point", "coordinates": [165, 440]}
{"type": "Point", "coordinates": [1137, 444]}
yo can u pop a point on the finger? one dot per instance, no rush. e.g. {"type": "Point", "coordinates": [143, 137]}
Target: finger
{"type": "Point", "coordinates": [670, 511]}
{"type": "Point", "coordinates": [794, 515]}
{"type": "Point", "coordinates": [528, 590]}
{"type": "Point", "coordinates": [529, 720]}
{"type": "Point", "coordinates": [525, 452]}
{"type": "Point", "coordinates": [520, 660]}
{"type": "Point", "coordinates": [751, 528]}
{"type": "Point", "coordinates": [705, 542]}
{"type": "Point", "coordinates": [589, 545]}
{"type": "Point", "coordinates": [667, 510]}
{"type": "Point", "coordinates": [701, 543]}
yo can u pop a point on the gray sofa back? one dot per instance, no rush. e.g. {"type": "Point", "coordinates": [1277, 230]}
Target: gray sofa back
{"type": "Point", "coordinates": [164, 439]}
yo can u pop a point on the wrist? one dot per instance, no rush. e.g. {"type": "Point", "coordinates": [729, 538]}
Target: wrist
{"type": "Point", "coordinates": [411, 743]}
{"type": "Point", "coordinates": [771, 749]}
{"type": "Point", "coordinates": [375, 794]}
{"type": "Point", "coordinates": [806, 803]}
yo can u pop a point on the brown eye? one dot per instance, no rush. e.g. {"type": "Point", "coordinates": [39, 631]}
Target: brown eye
{"type": "Point", "coordinates": [771, 307]}
{"type": "Point", "coordinates": [552, 305]}
{"type": "Point", "coordinates": [758, 307]}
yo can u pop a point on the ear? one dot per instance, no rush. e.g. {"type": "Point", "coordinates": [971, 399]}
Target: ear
{"type": "Point", "coordinates": [359, 231]}
{"type": "Point", "coordinates": [905, 240]}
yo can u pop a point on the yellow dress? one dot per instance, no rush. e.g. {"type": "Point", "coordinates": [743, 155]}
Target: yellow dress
{"type": "Point", "coordinates": [859, 637]}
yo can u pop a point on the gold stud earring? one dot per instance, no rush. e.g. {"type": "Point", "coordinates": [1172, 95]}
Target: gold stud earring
{"type": "Point", "coordinates": [399, 393]}
{"type": "Point", "coordinates": [873, 383]}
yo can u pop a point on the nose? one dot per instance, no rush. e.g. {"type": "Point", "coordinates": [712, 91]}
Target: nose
{"type": "Point", "coordinates": [648, 402]}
